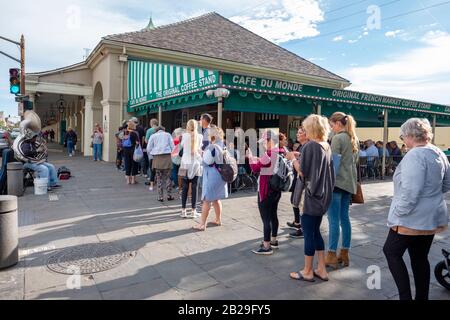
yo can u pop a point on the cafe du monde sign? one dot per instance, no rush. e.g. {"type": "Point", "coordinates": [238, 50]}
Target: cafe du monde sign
{"type": "Point", "coordinates": [270, 86]}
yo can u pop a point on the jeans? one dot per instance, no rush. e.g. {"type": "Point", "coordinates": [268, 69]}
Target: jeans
{"type": "Point", "coordinates": [174, 174]}
{"type": "Point", "coordinates": [44, 170]}
{"type": "Point", "coordinates": [268, 210]}
{"type": "Point", "coordinates": [418, 249]}
{"type": "Point", "coordinates": [97, 152]}
{"type": "Point", "coordinates": [338, 218]}
{"type": "Point", "coordinates": [70, 147]}
{"type": "Point", "coordinates": [184, 195]}
{"type": "Point", "coordinates": [151, 172]}
{"type": "Point", "coordinates": [313, 237]}
{"type": "Point", "coordinates": [131, 166]}
{"type": "Point", "coordinates": [144, 164]}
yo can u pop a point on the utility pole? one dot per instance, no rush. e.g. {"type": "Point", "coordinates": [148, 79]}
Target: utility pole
{"type": "Point", "coordinates": [21, 44]}
{"type": "Point", "coordinates": [22, 65]}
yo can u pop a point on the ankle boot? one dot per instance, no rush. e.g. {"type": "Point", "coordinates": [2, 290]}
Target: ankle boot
{"type": "Point", "coordinates": [331, 260]}
{"type": "Point", "coordinates": [344, 258]}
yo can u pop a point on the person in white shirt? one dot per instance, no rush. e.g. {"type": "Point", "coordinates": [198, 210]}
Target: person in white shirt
{"type": "Point", "coordinates": [160, 146]}
{"type": "Point", "coordinates": [190, 166]}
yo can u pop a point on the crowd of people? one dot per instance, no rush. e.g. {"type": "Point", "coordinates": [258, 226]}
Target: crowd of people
{"type": "Point", "coordinates": [48, 135]}
{"type": "Point", "coordinates": [324, 166]}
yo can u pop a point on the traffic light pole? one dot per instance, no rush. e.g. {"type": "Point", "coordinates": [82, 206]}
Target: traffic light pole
{"type": "Point", "coordinates": [22, 65]}
{"type": "Point", "coordinates": [21, 44]}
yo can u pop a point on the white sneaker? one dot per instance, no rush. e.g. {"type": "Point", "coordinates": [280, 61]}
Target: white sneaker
{"type": "Point", "coordinates": [183, 213]}
{"type": "Point", "coordinates": [195, 214]}
{"type": "Point", "coordinates": [150, 189]}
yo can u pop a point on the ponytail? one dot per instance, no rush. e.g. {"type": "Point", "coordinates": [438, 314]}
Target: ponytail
{"type": "Point", "coordinates": [349, 124]}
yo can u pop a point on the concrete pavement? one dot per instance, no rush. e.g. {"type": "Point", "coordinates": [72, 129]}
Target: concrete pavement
{"type": "Point", "coordinates": [167, 260]}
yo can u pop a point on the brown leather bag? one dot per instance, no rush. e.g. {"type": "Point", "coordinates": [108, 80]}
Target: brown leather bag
{"type": "Point", "coordinates": [358, 198]}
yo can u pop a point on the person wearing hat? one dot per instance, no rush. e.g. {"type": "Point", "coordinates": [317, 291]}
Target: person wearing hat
{"type": "Point", "coordinates": [268, 198]}
{"type": "Point", "coordinates": [43, 170]}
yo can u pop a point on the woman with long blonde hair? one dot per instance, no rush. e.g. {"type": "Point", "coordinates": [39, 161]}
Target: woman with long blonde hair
{"type": "Point", "coordinates": [344, 144]}
{"type": "Point", "coordinates": [190, 166]}
{"type": "Point", "coordinates": [316, 174]}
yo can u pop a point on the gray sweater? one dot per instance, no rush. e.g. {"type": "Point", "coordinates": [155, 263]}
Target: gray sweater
{"type": "Point", "coordinates": [316, 165]}
{"type": "Point", "coordinates": [420, 181]}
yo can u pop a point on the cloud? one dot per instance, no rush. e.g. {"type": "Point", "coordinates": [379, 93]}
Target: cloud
{"type": "Point", "coordinates": [285, 20]}
{"type": "Point", "coordinates": [338, 38]}
{"type": "Point", "coordinates": [353, 41]}
{"type": "Point", "coordinates": [427, 80]}
{"type": "Point", "coordinates": [317, 59]}
{"type": "Point", "coordinates": [393, 34]}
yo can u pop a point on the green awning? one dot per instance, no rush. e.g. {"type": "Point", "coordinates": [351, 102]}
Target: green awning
{"type": "Point", "coordinates": [251, 94]}
{"type": "Point", "coordinates": [262, 103]}
{"type": "Point", "coordinates": [150, 82]}
{"type": "Point", "coordinates": [182, 102]}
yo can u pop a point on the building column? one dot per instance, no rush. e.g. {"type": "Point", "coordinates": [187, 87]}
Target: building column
{"type": "Point", "coordinates": [81, 132]}
{"type": "Point", "coordinates": [88, 125]}
{"type": "Point", "coordinates": [111, 122]}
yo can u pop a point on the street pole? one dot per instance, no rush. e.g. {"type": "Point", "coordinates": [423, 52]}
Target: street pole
{"type": "Point", "coordinates": [434, 129]}
{"type": "Point", "coordinates": [220, 112]}
{"type": "Point", "coordinates": [22, 65]}
{"type": "Point", "coordinates": [385, 138]}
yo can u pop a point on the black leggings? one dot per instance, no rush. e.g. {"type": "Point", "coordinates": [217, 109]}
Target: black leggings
{"type": "Point", "coordinates": [268, 210]}
{"type": "Point", "coordinates": [185, 192]}
{"type": "Point", "coordinates": [296, 210]}
{"type": "Point", "coordinates": [313, 237]}
{"type": "Point", "coordinates": [418, 249]}
{"type": "Point", "coordinates": [131, 167]}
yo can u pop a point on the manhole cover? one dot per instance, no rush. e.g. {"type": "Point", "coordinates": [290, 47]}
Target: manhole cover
{"type": "Point", "coordinates": [87, 259]}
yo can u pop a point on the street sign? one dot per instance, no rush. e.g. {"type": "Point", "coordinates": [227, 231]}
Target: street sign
{"type": "Point", "coordinates": [22, 98]}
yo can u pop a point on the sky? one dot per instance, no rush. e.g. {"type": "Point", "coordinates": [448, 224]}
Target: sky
{"type": "Point", "coordinates": [392, 47]}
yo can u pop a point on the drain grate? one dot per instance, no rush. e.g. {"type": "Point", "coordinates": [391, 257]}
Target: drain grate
{"type": "Point", "coordinates": [88, 259]}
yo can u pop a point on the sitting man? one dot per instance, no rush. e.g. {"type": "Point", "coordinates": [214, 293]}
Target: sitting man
{"type": "Point", "coordinates": [43, 170]}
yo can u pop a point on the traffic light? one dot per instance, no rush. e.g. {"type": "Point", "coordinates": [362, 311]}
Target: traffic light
{"type": "Point", "coordinates": [14, 81]}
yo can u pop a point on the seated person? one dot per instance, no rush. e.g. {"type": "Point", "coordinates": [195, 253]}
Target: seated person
{"type": "Point", "coordinates": [43, 170]}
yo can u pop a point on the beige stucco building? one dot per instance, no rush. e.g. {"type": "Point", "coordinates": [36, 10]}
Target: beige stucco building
{"type": "Point", "coordinates": [166, 72]}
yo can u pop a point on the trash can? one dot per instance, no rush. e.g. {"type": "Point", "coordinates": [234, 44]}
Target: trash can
{"type": "Point", "coordinates": [9, 232]}
{"type": "Point", "coordinates": [15, 179]}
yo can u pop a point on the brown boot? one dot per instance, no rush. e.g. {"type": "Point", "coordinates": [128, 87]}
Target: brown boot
{"type": "Point", "coordinates": [331, 260]}
{"type": "Point", "coordinates": [344, 258]}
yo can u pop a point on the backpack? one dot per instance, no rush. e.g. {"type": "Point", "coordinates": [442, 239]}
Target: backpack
{"type": "Point", "coordinates": [229, 169]}
{"type": "Point", "coordinates": [283, 175]}
{"type": "Point", "coordinates": [64, 173]}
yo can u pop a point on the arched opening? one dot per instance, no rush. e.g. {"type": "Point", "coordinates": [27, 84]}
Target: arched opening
{"type": "Point", "coordinates": [97, 104]}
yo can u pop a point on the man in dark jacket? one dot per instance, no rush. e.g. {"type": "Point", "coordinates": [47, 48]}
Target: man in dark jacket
{"type": "Point", "coordinates": [70, 140]}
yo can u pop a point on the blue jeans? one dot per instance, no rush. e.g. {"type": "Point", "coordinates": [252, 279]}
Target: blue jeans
{"type": "Point", "coordinates": [313, 237]}
{"type": "Point", "coordinates": [338, 218]}
{"type": "Point", "coordinates": [174, 174]}
{"type": "Point", "coordinates": [97, 152]}
{"type": "Point", "coordinates": [44, 170]}
{"type": "Point", "coordinates": [70, 146]}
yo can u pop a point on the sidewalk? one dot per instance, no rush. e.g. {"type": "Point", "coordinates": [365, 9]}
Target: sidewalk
{"type": "Point", "coordinates": [158, 256]}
